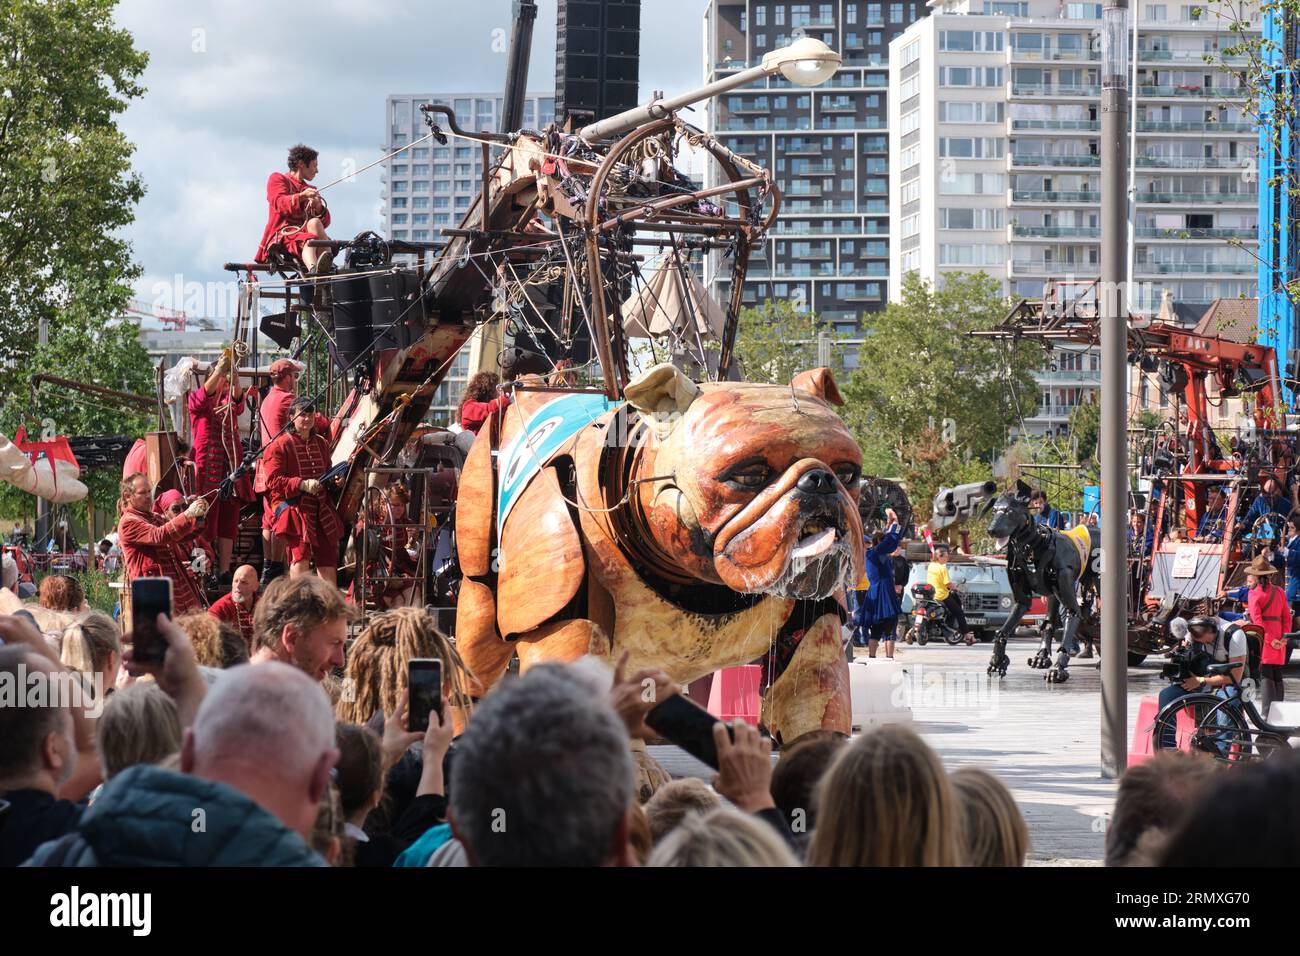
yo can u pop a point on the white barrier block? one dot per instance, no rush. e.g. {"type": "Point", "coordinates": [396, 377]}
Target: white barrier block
{"type": "Point", "coordinates": [876, 688]}
{"type": "Point", "coordinates": [1285, 713]}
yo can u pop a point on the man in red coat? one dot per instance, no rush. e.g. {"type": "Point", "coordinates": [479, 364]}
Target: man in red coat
{"type": "Point", "coordinates": [296, 212]}
{"type": "Point", "coordinates": [152, 546]}
{"type": "Point", "coordinates": [214, 409]}
{"type": "Point", "coordinates": [304, 516]}
{"type": "Point", "coordinates": [272, 415]}
{"type": "Point", "coordinates": [236, 608]}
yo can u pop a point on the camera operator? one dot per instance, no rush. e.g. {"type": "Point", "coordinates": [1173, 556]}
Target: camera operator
{"type": "Point", "coordinates": [1223, 641]}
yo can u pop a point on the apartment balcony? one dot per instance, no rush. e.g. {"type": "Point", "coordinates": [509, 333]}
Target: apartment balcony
{"type": "Point", "coordinates": [1188, 90]}
{"type": "Point", "coordinates": [816, 23]}
{"type": "Point", "coordinates": [1049, 268]}
{"type": "Point", "coordinates": [860, 294]}
{"type": "Point", "coordinates": [1192, 162]}
{"type": "Point", "coordinates": [802, 151]}
{"type": "Point", "coordinates": [811, 255]}
{"type": "Point", "coordinates": [801, 270]}
{"type": "Point", "coordinates": [1055, 232]}
{"type": "Point", "coordinates": [1055, 56]}
{"type": "Point", "coordinates": [821, 169]}
{"type": "Point", "coordinates": [754, 109]}
{"type": "Point", "coordinates": [1054, 90]}
{"type": "Point", "coordinates": [1195, 57]}
{"type": "Point", "coordinates": [1034, 196]}
{"type": "Point", "coordinates": [1069, 377]}
{"type": "Point", "coordinates": [1221, 128]}
{"type": "Point", "coordinates": [785, 229]}
{"type": "Point", "coordinates": [1198, 199]}
{"type": "Point", "coordinates": [1053, 412]}
{"type": "Point", "coordinates": [806, 191]}
{"type": "Point", "coordinates": [1195, 268]}
{"type": "Point", "coordinates": [1055, 126]}
{"type": "Point", "coordinates": [1077, 162]}
{"type": "Point", "coordinates": [1181, 235]}
{"type": "Point", "coordinates": [838, 106]}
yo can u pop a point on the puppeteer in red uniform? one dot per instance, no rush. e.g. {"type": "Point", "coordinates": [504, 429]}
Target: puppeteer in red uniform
{"type": "Point", "coordinates": [214, 409]}
{"type": "Point", "coordinates": [304, 518]}
{"type": "Point", "coordinates": [295, 210]}
{"type": "Point", "coordinates": [154, 546]}
{"type": "Point", "coordinates": [237, 607]}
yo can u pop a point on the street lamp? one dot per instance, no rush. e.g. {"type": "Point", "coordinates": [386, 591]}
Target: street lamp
{"type": "Point", "coordinates": [805, 62]}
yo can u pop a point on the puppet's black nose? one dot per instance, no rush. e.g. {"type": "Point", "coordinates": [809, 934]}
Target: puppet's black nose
{"type": "Point", "coordinates": [819, 481]}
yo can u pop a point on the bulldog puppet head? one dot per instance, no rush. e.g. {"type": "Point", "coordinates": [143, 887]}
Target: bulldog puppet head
{"type": "Point", "coordinates": [755, 486]}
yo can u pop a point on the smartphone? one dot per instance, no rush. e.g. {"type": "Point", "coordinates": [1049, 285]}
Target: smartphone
{"type": "Point", "coordinates": [689, 726]}
{"type": "Point", "coordinates": [149, 598]}
{"type": "Point", "coordinates": [424, 678]}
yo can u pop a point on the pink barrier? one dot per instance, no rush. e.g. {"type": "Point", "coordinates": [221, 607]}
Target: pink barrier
{"type": "Point", "coordinates": [735, 693]}
{"type": "Point", "coordinates": [1143, 745]}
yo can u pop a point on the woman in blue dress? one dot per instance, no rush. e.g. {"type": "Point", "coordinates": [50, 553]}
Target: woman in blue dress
{"type": "Point", "coordinates": [876, 616]}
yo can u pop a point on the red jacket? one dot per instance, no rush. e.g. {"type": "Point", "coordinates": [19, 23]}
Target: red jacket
{"type": "Point", "coordinates": [285, 215]}
{"type": "Point", "coordinates": [308, 518]}
{"type": "Point", "coordinates": [1271, 612]}
{"type": "Point", "coordinates": [225, 609]}
{"type": "Point", "coordinates": [154, 547]}
{"type": "Point", "coordinates": [474, 414]}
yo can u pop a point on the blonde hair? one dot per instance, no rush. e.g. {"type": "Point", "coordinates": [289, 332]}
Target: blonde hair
{"type": "Point", "coordinates": [674, 801]}
{"type": "Point", "coordinates": [993, 831]}
{"type": "Point", "coordinates": [89, 642]}
{"type": "Point", "coordinates": [139, 725]}
{"type": "Point", "coordinates": [216, 643]}
{"type": "Point", "coordinates": [376, 669]}
{"type": "Point", "coordinates": [722, 837]}
{"type": "Point", "coordinates": [327, 833]}
{"type": "Point", "coordinates": [886, 801]}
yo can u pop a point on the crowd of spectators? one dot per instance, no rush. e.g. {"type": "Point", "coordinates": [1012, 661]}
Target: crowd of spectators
{"type": "Point", "coordinates": [294, 755]}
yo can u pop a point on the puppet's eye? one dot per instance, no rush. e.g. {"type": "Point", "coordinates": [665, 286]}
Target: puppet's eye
{"type": "Point", "coordinates": [754, 475]}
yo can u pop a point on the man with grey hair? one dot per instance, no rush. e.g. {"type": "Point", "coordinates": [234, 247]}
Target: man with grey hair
{"type": "Point", "coordinates": [254, 767]}
{"type": "Point", "coordinates": [543, 775]}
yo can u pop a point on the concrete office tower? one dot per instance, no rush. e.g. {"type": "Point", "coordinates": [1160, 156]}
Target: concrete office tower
{"type": "Point", "coordinates": [994, 132]}
{"type": "Point", "coordinates": [826, 146]}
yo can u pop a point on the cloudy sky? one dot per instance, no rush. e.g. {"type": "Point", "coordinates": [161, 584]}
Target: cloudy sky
{"type": "Point", "coordinates": [232, 83]}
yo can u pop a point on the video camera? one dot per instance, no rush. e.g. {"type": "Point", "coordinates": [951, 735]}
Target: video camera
{"type": "Point", "coordinates": [1184, 663]}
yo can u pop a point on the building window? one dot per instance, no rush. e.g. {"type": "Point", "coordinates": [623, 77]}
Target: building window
{"type": "Point", "coordinates": [911, 52]}
{"type": "Point", "coordinates": [400, 202]}
{"type": "Point", "coordinates": [420, 202]}
{"type": "Point", "coordinates": [895, 13]}
{"type": "Point", "coordinates": [850, 13]}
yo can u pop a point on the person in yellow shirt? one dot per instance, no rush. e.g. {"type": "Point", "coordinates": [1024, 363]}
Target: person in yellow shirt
{"type": "Point", "coordinates": [938, 577]}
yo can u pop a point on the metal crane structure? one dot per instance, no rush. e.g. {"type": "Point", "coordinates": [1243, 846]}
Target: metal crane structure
{"type": "Point", "coordinates": [1199, 488]}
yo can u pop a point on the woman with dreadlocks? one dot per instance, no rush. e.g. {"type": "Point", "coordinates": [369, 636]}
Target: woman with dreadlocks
{"type": "Point", "coordinates": [376, 681]}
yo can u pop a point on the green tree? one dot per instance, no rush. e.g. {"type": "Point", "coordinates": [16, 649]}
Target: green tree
{"type": "Point", "coordinates": [1085, 429]}
{"type": "Point", "coordinates": [775, 341]}
{"type": "Point", "coordinates": [66, 186]}
{"type": "Point", "coordinates": [66, 191]}
{"type": "Point", "coordinates": [920, 368]}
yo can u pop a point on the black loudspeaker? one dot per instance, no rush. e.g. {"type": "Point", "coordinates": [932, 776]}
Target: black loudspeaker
{"type": "Point", "coordinates": [353, 333]}
{"type": "Point", "coordinates": [397, 311]}
{"type": "Point", "coordinates": [597, 57]}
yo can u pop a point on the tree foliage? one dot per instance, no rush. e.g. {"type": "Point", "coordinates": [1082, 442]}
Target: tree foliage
{"type": "Point", "coordinates": [66, 185]}
{"type": "Point", "coordinates": [920, 371]}
{"type": "Point", "coordinates": [775, 341]}
{"type": "Point", "coordinates": [66, 191]}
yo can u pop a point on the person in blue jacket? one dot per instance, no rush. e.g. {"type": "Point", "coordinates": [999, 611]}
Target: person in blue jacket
{"type": "Point", "coordinates": [1292, 552]}
{"type": "Point", "coordinates": [1269, 502]}
{"type": "Point", "coordinates": [1046, 513]}
{"type": "Point", "coordinates": [876, 616]}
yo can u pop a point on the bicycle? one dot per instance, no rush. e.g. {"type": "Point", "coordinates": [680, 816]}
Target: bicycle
{"type": "Point", "coordinates": [1228, 729]}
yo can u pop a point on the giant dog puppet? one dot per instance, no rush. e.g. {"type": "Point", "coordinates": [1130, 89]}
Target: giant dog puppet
{"type": "Point", "coordinates": [1041, 561]}
{"type": "Point", "coordinates": [694, 527]}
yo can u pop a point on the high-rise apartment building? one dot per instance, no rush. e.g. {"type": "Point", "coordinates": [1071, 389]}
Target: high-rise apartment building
{"type": "Point", "coordinates": [431, 186]}
{"type": "Point", "coordinates": [827, 146]}
{"type": "Point", "coordinates": [994, 140]}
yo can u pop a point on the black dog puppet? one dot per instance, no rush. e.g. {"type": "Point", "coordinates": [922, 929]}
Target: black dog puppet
{"type": "Point", "coordinates": [1041, 561]}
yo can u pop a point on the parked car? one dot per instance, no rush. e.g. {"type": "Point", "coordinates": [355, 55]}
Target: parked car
{"type": "Point", "coordinates": [985, 590]}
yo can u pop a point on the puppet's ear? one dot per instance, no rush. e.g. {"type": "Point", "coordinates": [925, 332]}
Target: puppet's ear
{"type": "Point", "coordinates": [661, 394]}
{"type": "Point", "coordinates": [1023, 491]}
{"type": "Point", "coordinates": [820, 382]}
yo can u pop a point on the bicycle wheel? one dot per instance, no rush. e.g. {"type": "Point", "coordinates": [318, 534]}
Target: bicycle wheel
{"type": "Point", "coordinates": [1196, 724]}
{"type": "Point", "coordinates": [1234, 738]}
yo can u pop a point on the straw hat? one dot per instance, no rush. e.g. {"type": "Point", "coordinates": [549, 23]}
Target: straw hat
{"type": "Point", "coordinates": [1260, 566]}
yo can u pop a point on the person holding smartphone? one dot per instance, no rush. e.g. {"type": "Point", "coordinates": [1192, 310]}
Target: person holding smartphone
{"type": "Point", "coordinates": [153, 546]}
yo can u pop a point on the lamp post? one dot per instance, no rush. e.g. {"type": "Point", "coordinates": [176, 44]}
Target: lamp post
{"type": "Point", "coordinates": [1113, 313]}
{"type": "Point", "coordinates": [805, 62]}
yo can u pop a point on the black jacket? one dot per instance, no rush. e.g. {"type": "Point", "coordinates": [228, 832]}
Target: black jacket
{"type": "Point", "coordinates": [33, 817]}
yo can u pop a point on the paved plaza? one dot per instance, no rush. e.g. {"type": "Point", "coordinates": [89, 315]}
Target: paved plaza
{"type": "Point", "coordinates": [1042, 739]}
